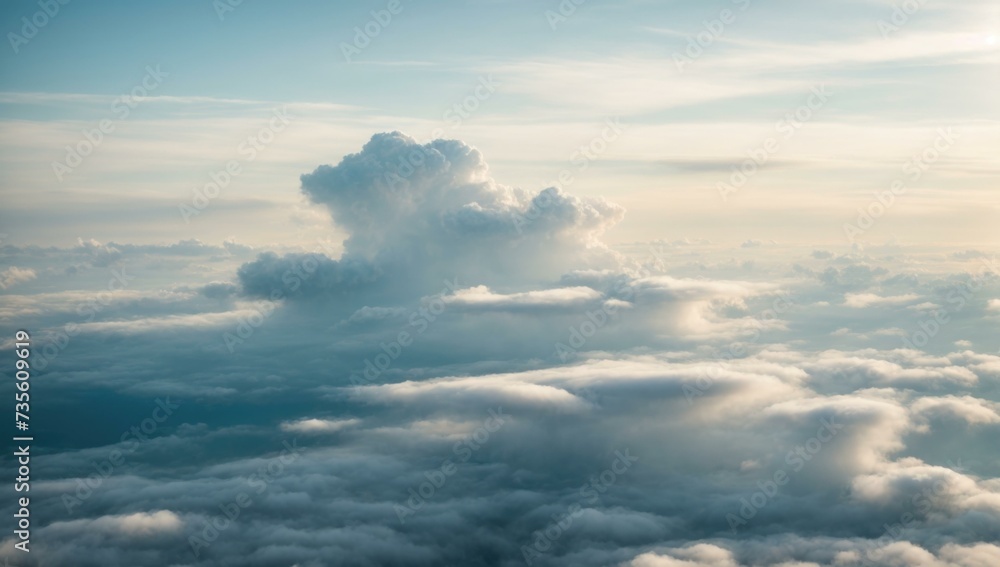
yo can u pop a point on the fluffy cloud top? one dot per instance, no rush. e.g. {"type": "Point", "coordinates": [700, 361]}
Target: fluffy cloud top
{"type": "Point", "coordinates": [417, 213]}
{"type": "Point", "coordinates": [14, 275]}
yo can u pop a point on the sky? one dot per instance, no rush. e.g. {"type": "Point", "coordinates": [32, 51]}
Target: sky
{"type": "Point", "coordinates": [583, 283]}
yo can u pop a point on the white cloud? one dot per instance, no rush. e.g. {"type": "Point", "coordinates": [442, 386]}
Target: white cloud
{"type": "Point", "coordinates": [318, 426]}
{"type": "Point", "coordinates": [973, 411]}
{"type": "Point", "coordinates": [698, 555]}
{"type": "Point", "coordinates": [861, 300]}
{"type": "Point", "coordinates": [481, 297]}
{"type": "Point", "coordinates": [14, 275]}
{"type": "Point", "coordinates": [137, 525]}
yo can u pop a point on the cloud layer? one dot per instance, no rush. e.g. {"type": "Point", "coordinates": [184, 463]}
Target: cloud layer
{"type": "Point", "coordinates": [474, 378]}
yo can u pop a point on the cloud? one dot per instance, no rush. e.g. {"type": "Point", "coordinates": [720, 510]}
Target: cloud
{"type": "Point", "coordinates": [862, 300]}
{"type": "Point", "coordinates": [785, 552]}
{"type": "Point", "coordinates": [318, 426]}
{"type": "Point", "coordinates": [481, 297]}
{"type": "Point", "coordinates": [698, 555]}
{"type": "Point", "coordinates": [14, 275]}
{"type": "Point", "coordinates": [137, 525]}
{"type": "Point", "coordinates": [973, 411]}
{"type": "Point", "coordinates": [448, 299]}
{"type": "Point", "coordinates": [304, 275]}
{"type": "Point", "coordinates": [477, 391]}
{"type": "Point", "coordinates": [417, 213]}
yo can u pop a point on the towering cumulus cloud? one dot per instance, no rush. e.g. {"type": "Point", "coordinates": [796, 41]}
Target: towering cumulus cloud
{"type": "Point", "coordinates": [417, 213]}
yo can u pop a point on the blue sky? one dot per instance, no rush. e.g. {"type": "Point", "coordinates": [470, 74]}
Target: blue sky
{"type": "Point", "coordinates": [544, 283]}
